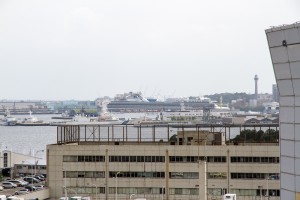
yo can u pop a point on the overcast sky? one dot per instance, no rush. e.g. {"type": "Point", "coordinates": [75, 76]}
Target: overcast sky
{"type": "Point", "coordinates": [60, 50]}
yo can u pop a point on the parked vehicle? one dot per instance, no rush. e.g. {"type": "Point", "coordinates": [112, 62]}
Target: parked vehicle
{"type": "Point", "coordinates": [22, 191]}
{"type": "Point", "coordinates": [24, 182]}
{"type": "Point", "coordinates": [39, 187]}
{"type": "Point", "coordinates": [1, 188]}
{"type": "Point", "coordinates": [229, 197]}
{"type": "Point", "coordinates": [31, 180]}
{"type": "Point", "coordinates": [14, 198]}
{"type": "Point", "coordinates": [30, 187]}
{"type": "Point", "coordinates": [2, 197]}
{"type": "Point", "coordinates": [7, 184]}
{"type": "Point", "coordinates": [17, 182]}
{"type": "Point", "coordinates": [39, 177]}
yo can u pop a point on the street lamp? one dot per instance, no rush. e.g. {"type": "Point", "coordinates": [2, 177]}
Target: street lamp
{"type": "Point", "coordinates": [267, 187]}
{"type": "Point", "coordinates": [65, 183]}
{"type": "Point", "coordinates": [260, 187]}
{"type": "Point", "coordinates": [96, 191]}
{"type": "Point", "coordinates": [117, 185]}
{"type": "Point", "coordinates": [31, 169]}
{"type": "Point", "coordinates": [162, 193]}
{"type": "Point", "coordinates": [131, 196]}
{"type": "Point", "coordinates": [35, 160]}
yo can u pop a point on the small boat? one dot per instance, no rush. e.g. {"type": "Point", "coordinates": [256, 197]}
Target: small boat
{"type": "Point", "coordinates": [8, 120]}
{"type": "Point", "coordinates": [64, 115]}
{"type": "Point", "coordinates": [31, 120]}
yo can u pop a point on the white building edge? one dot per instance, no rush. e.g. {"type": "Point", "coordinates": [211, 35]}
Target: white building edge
{"type": "Point", "coordinates": [284, 44]}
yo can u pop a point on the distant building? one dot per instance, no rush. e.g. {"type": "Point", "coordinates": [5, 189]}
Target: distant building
{"type": "Point", "coordinates": [8, 160]}
{"type": "Point", "coordinates": [253, 102]}
{"type": "Point", "coordinates": [275, 93]}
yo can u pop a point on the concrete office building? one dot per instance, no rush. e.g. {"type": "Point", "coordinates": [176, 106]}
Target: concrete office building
{"type": "Point", "coordinates": [163, 162]}
{"type": "Point", "coordinates": [284, 44]}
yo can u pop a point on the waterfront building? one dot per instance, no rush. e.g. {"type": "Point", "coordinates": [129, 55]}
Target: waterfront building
{"type": "Point", "coordinates": [27, 168]}
{"type": "Point", "coordinates": [284, 44]}
{"type": "Point", "coordinates": [8, 160]}
{"type": "Point", "coordinates": [164, 162]}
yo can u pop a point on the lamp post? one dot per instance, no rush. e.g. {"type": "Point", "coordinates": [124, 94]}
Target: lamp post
{"type": "Point", "coordinates": [260, 187]}
{"type": "Point", "coordinates": [162, 193]}
{"type": "Point", "coordinates": [117, 185]}
{"type": "Point", "coordinates": [96, 191]}
{"type": "Point", "coordinates": [131, 196]}
{"type": "Point", "coordinates": [35, 160]}
{"type": "Point", "coordinates": [65, 182]}
{"type": "Point", "coordinates": [268, 188]}
{"type": "Point", "coordinates": [31, 169]}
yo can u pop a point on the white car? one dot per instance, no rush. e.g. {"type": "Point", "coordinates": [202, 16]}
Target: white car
{"type": "Point", "coordinates": [22, 191]}
{"type": "Point", "coordinates": [1, 188]}
{"type": "Point", "coordinates": [39, 187]}
{"type": "Point", "coordinates": [6, 184]}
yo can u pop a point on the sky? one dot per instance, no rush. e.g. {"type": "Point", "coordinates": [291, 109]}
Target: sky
{"type": "Point", "coordinates": [71, 49]}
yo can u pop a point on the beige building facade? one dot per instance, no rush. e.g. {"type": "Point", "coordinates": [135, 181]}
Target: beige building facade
{"type": "Point", "coordinates": [199, 163]}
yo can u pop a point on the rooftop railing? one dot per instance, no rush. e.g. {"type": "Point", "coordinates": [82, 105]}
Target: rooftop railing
{"type": "Point", "coordinates": [128, 134]}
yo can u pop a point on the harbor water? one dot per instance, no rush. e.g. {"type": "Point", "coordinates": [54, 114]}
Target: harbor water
{"type": "Point", "coordinates": [27, 139]}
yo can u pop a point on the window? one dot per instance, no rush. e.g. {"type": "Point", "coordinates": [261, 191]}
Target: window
{"type": "Point", "coordinates": [73, 158]}
{"type": "Point", "coordinates": [137, 174]}
{"type": "Point", "coordinates": [184, 175]}
{"type": "Point", "coordinates": [254, 159]}
{"type": "Point", "coordinates": [217, 175]}
{"type": "Point", "coordinates": [250, 175]}
{"type": "Point", "coordinates": [188, 159]}
{"type": "Point", "coordinates": [136, 159]}
{"type": "Point", "coordinates": [5, 160]}
{"type": "Point", "coordinates": [83, 174]}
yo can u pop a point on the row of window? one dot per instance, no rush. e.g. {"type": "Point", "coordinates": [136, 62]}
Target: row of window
{"type": "Point", "coordinates": [173, 191]}
{"type": "Point", "coordinates": [136, 159]}
{"type": "Point", "coordinates": [188, 159]}
{"type": "Point", "coordinates": [274, 176]}
{"type": "Point", "coordinates": [255, 159]}
{"type": "Point", "coordinates": [172, 175]}
{"type": "Point", "coordinates": [5, 160]}
{"type": "Point", "coordinates": [137, 174]}
{"type": "Point", "coordinates": [83, 158]}
{"type": "Point", "coordinates": [134, 190]}
{"type": "Point", "coordinates": [256, 192]}
{"type": "Point", "coordinates": [30, 167]}
{"type": "Point", "coordinates": [149, 191]}
{"type": "Point", "coordinates": [172, 159]}
{"type": "Point", "coordinates": [83, 174]}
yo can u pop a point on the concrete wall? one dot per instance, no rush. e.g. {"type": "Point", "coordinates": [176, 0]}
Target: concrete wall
{"type": "Point", "coordinates": [56, 166]}
{"type": "Point", "coordinates": [40, 194]}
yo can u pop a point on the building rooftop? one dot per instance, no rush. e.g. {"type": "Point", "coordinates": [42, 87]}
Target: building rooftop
{"type": "Point", "coordinates": [198, 134]}
{"type": "Point", "coordinates": [283, 27]}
